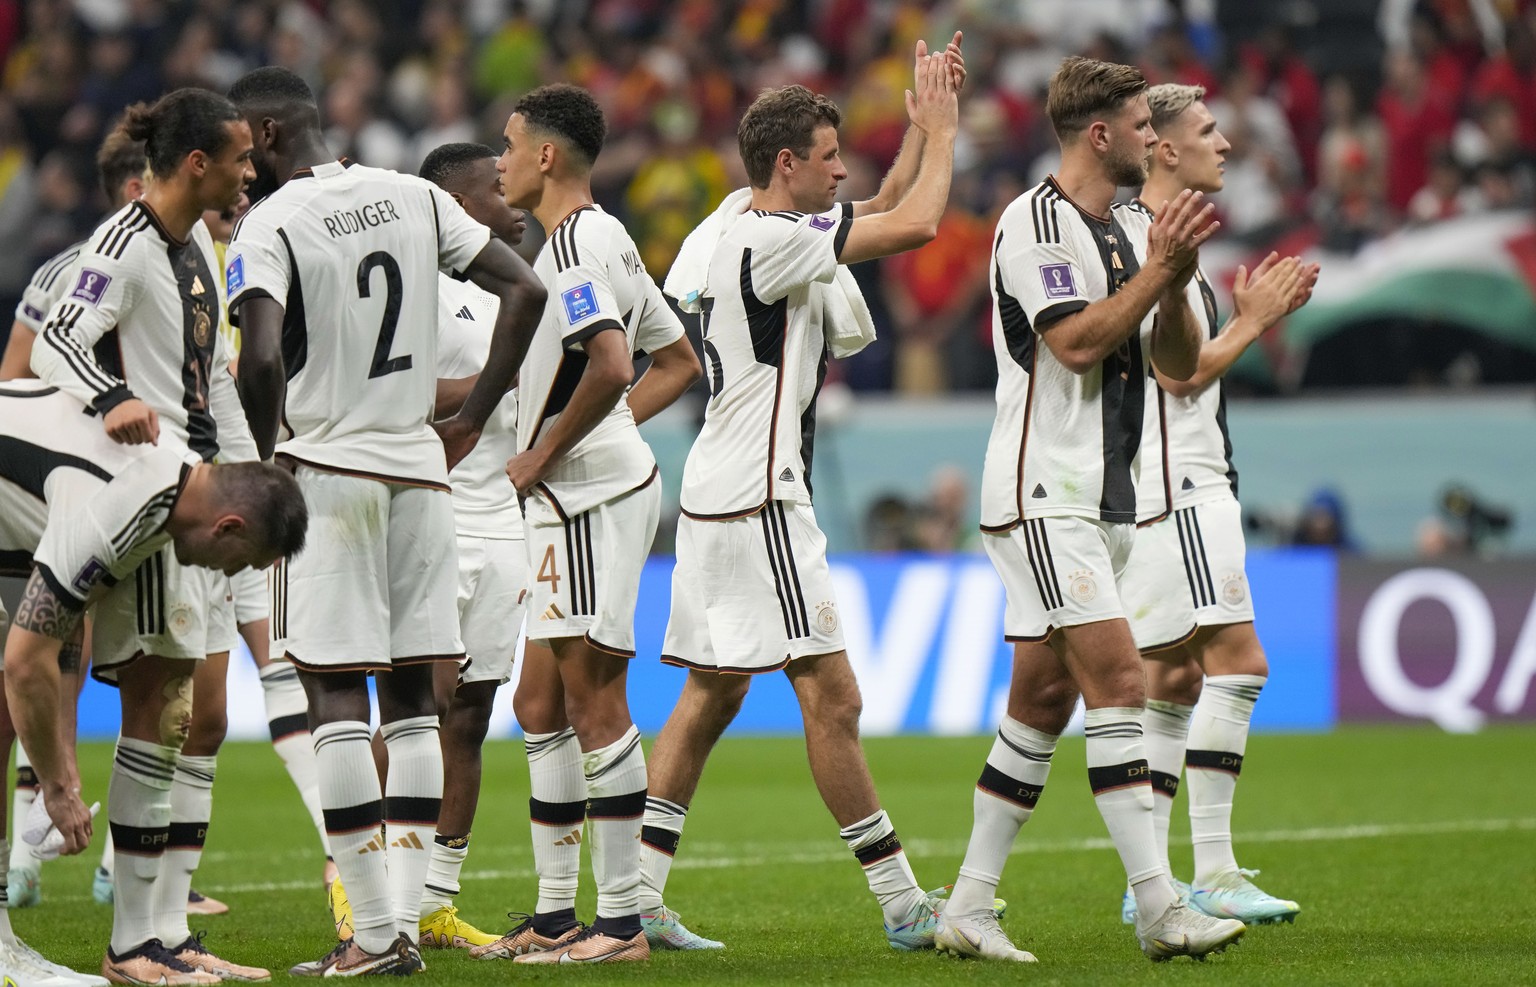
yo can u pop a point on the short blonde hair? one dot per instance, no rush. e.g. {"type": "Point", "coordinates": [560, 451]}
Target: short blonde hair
{"type": "Point", "coordinates": [1085, 88]}
{"type": "Point", "coordinates": [1169, 101]}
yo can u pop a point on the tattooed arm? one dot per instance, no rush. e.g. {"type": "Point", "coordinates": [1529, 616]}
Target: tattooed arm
{"type": "Point", "coordinates": [33, 652]}
{"type": "Point", "coordinates": [71, 669]}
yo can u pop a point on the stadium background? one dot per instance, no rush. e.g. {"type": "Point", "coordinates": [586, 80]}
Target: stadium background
{"type": "Point", "coordinates": [1384, 435]}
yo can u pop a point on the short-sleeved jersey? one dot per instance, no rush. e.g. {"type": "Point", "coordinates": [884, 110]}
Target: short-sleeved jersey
{"type": "Point", "coordinates": [596, 282]}
{"type": "Point", "coordinates": [352, 254]}
{"type": "Point", "coordinates": [47, 286]}
{"type": "Point", "coordinates": [85, 509]}
{"type": "Point", "coordinates": [139, 319]}
{"type": "Point", "coordinates": [1188, 453]}
{"type": "Point", "coordinates": [484, 500]}
{"type": "Point", "coordinates": [765, 359]}
{"type": "Point", "coordinates": [1062, 444]}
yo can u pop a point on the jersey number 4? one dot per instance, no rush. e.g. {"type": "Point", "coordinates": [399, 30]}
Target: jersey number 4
{"type": "Point", "coordinates": [383, 363]}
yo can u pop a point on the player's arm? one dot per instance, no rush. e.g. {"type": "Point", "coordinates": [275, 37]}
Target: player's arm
{"type": "Point", "coordinates": [103, 290]}
{"type": "Point", "coordinates": [263, 382]}
{"type": "Point", "coordinates": [610, 369]}
{"type": "Point", "coordinates": [1176, 334]}
{"type": "Point", "coordinates": [451, 394]}
{"type": "Point", "coordinates": [934, 109]}
{"type": "Point", "coordinates": [1276, 288]}
{"type": "Point", "coordinates": [17, 361]}
{"type": "Point", "coordinates": [236, 444]}
{"type": "Point", "coordinates": [1082, 339]}
{"type": "Point", "coordinates": [674, 368]}
{"type": "Point", "coordinates": [47, 616]}
{"type": "Point", "coordinates": [904, 169]}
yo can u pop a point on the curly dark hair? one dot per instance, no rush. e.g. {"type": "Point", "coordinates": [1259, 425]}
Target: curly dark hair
{"type": "Point", "coordinates": [781, 118]}
{"type": "Point", "coordinates": [271, 86]}
{"type": "Point", "coordinates": [569, 112]}
{"type": "Point", "coordinates": [179, 123]}
{"type": "Point", "coordinates": [447, 164]}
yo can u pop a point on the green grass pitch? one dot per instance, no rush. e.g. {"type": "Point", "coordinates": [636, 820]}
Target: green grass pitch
{"type": "Point", "coordinates": [1413, 854]}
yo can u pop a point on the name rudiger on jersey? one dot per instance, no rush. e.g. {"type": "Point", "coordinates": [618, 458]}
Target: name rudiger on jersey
{"type": "Point", "coordinates": [344, 221]}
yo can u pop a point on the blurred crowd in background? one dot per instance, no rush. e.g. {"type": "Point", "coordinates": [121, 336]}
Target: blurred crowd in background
{"type": "Point", "coordinates": [1347, 118]}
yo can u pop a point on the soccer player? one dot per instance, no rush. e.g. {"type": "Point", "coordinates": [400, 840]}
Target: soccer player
{"type": "Point", "coordinates": [1070, 297]}
{"type": "Point", "coordinates": [591, 501]}
{"type": "Point", "coordinates": [1185, 573]}
{"type": "Point", "coordinates": [136, 338]}
{"type": "Point", "coordinates": [493, 561]}
{"type": "Point", "coordinates": [751, 593]}
{"type": "Point", "coordinates": [80, 512]}
{"type": "Point", "coordinates": [333, 283]}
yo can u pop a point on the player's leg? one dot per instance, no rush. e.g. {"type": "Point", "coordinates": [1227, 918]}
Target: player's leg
{"type": "Point", "coordinates": [1173, 688]}
{"type": "Point", "coordinates": [192, 799]}
{"type": "Point", "coordinates": [25, 888]}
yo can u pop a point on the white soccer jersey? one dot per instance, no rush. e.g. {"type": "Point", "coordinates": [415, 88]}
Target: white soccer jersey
{"type": "Point", "coordinates": [353, 254]}
{"type": "Point", "coordinates": [765, 360]}
{"type": "Point", "coordinates": [1062, 444]}
{"type": "Point", "coordinates": [47, 286]}
{"type": "Point", "coordinates": [1188, 453]}
{"type": "Point", "coordinates": [139, 319]}
{"type": "Point", "coordinates": [80, 505]}
{"type": "Point", "coordinates": [484, 500]}
{"type": "Point", "coordinates": [596, 281]}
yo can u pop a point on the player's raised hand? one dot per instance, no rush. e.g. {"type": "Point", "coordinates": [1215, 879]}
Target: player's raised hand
{"type": "Point", "coordinates": [1309, 273]}
{"type": "Point", "coordinates": [132, 423]}
{"type": "Point", "coordinates": [1266, 297]}
{"type": "Point", "coordinates": [956, 61]}
{"type": "Point", "coordinates": [1178, 230]}
{"type": "Point", "coordinates": [932, 104]}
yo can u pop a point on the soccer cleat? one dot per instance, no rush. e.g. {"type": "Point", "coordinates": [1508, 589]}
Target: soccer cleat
{"type": "Point", "coordinates": [1128, 901]}
{"type": "Point", "coordinates": [26, 966]}
{"type": "Point", "coordinates": [194, 954]}
{"type": "Point", "coordinates": [591, 946]}
{"type": "Point", "coordinates": [665, 930]}
{"type": "Point", "coordinates": [443, 929]}
{"type": "Point", "coordinates": [341, 909]}
{"type": "Point", "coordinates": [348, 959]}
{"type": "Point", "coordinates": [1182, 931]}
{"type": "Point", "coordinates": [24, 888]}
{"type": "Point", "coordinates": [1234, 896]}
{"type": "Point", "coordinates": [153, 964]}
{"type": "Point", "coordinates": [977, 935]}
{"type": "Point", "coordinates": [521, 939]}
{"type": "Point", "coordinates": [201, 904]}
{"type": "Point", "coordinates": [921, 921]}
{"type": "Point", "coordinates": [101, 886]}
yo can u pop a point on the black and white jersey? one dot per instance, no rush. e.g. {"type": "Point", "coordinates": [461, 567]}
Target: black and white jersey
{"type": "Point", "coordinates": [596, 282]}
{"type": "Point", "coordinates": [484, 500]}
{"type": "Point", "coordinates": [765, 359]}
{"type": "Point", "coordinates": [139, 319]}
{"type": "Point", "coordinates": [353, 255]}
{"type": "Point", "coordinates": [1188, 457]}
{"type": "Point", "coordinates": [47, 286]}
{"type": "Point", "coordinates": [1063, 444]}
{"type": "Point", "coordinates": [85, 509]}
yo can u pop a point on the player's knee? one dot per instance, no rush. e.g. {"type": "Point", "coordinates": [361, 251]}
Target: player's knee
{"type": "Point", "coordinates": [206, 732]}
{"type": "Point", "coordinates": [175, 720]}
{"type": "Point", "coordinates": [840, 708]}
{"type": "Point", "coordinates": [466, 724]}
{"type": "Point", "coordinates": [538, 712]}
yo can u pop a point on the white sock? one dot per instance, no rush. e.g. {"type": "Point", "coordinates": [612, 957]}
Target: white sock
{"type": "Point", "coordinates": [191, 808]}
{"type": "Point", "coordinates": [354, 819]}
{"type": "Point", "coordinates": [288, 721]}
{"type": "Point", "coordinates": [615, 807]}
{"type": "Point", "coordinates": [1165, 728]}
{"type": "Point", "coordinates": [442, 885]}
{"type": "Point", "coordinates": [139, 813]}
{"type": "Point", "coordinates": [557, 809]}
{"type": "Point", "coordinates": [21, 803]}
{"type": "Point", "coordinates": [662, 828]}
{"type": "Point", "coordinates": [1120, 779]}
{"type": "Point", "coordinates": [107, 857]}
{"type": "Point", "coordinates": [1218, 735]}
{"type": "Point", "coordinates": [1010, 785]}
{"type": "Point", "coordinates": [875, 844]}
{"type": "Point", "coordinates": [413, 796]}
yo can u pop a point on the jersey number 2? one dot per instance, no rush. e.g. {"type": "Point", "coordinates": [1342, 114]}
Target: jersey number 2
{"type": "Point", "coordinates": [383, 363]}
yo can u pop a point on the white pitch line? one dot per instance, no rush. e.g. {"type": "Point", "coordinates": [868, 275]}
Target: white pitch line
{"type": "Point", "coordinates": [766, 855]}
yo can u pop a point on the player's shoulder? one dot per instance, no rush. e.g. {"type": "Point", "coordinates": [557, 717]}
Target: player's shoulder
{"type": "Point", "coordinates": [122, 234]}
{"type": "Point", "coordinates": [1132, 213]}
{"type": "Point", "coordinates": [47, 275]}
{"type": "Point", "coordinates": [587, 238]}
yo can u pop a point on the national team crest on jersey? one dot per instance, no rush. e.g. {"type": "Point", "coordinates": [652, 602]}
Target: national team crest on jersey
{"type": "Point", "coordinates": [1058, 280]}
{"type": "Point", "coordinates": [580, 303]}
{"type": "Point", "coordinates": [91, 286]}
{"type": "Point", "coordinates": [234, 276]}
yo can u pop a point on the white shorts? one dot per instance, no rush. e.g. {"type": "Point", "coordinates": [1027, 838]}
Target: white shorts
{"type": "Point", "coordinates": [1187, 571]}
{"type": "Point", "coordinates": [249, 587]}
{"type": "Point", "coordinates": [493, 583]}
{"type": "Point", "coordinates": [165, 609]}
{"type": "Point", "coordinates": [584, 570]}
{"type": "Point", "coordinates": [751, 594]}
{"type": "Point", "coordinates": [377, 582]}
{"type": "Point", "coordinates": [1059, 572]}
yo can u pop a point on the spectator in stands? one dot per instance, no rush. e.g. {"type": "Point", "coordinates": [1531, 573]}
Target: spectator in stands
{"type": "Point", "coordinates": [1445, 194]}
{"type": "Point", "coordinates": [1418, 120]}
{"type": "Point", "coordinates": [18, 201]}
{"type": "Point", "coordinates": [945, 521]}
{"type": "Point", "coordinates": [1281, 74]}
{"type": "Point", "coordinates": [1323, 522]}
{"type": "Point", "coordinates": [888, 525]}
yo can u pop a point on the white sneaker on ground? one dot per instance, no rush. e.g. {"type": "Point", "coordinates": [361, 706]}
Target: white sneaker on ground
{"type": "Point", "coordinates": [1234, 896]}
{"type": "Point", "coordinates": [1182, 931]}
{"type": "Point", "coordinates": [978, 935]}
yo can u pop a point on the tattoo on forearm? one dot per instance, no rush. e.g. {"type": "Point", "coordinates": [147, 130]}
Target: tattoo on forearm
{"type": "Point", "coordinates": [70, 652]}
{"type": "Point", "coordinates": [41, 612]}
